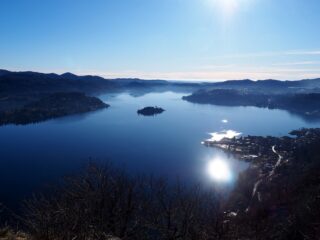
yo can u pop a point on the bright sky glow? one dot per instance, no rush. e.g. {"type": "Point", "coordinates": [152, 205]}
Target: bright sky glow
{"type": "Point", "coordinates": [228, 8]}
{"type": "Point", "coordinates": [167, 39]}
{"type": "Point", "coordinates": [219, 170]}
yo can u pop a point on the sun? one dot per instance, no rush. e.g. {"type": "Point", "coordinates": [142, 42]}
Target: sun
{"type": "Point", "coordinates": [228, 8]}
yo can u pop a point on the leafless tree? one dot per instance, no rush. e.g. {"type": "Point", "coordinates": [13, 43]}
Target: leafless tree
{"type": "Point", "coordinates": [106, 202]}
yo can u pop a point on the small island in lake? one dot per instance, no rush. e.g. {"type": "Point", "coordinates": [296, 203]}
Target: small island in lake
{"type": "Point", "coordinates": [52, 106]}
{"type": "Point", "coordinates": [150, 111]}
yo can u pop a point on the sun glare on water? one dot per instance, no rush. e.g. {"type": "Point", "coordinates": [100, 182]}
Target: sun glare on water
{"type": "Point", "coordinates": [219, 170]}
{"type": "Point", "coordinates": [218, 136]}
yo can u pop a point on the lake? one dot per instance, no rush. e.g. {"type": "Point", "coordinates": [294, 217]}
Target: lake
{"type": "Point", "coordinates": [167, 145]}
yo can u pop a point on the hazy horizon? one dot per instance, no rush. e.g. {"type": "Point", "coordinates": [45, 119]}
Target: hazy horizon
{"type": "Point", "coordinates": [159, 79]}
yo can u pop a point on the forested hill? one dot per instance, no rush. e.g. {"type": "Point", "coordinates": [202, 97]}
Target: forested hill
{"type": "Point", "coordinates": [306, 105]}
{"type": "Point", "coordinates": [27, 82]}
{"type": "Point", "coordinates": [270, 83]}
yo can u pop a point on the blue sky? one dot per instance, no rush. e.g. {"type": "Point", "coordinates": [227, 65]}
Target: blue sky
{"type": "Point", "coordinates": [163, 39]}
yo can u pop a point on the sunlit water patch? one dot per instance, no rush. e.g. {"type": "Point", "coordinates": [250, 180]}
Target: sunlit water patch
{"type": "Point", "coordinates": [218, 136]}
{"type": "Point", "coordinates": [219, 170]}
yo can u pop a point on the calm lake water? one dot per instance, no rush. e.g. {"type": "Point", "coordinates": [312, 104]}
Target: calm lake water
{"type": "Point", "coordinates": [166, 145]}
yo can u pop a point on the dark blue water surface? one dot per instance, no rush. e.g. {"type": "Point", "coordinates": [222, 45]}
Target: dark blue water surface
{"type": "Point", "coordinates": [167, 145]}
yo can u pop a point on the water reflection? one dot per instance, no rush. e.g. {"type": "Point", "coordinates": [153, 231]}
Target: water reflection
{"type": "Point", "coordinates": [219, 170]}
{"type": "Point", "coordinates": [222, 169]}
{"type": "Point", "coordinates": [218, 136]}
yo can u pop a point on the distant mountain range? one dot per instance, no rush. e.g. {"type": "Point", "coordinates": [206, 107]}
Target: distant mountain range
{"type": "Point", "coordinates": [17, 89]}
{"type": "Point", "coordinates": [28, 86]}
{"type": "Point", "coordinates": [26, 82]}
{"type": "Point", "coordinates": [270, 84]}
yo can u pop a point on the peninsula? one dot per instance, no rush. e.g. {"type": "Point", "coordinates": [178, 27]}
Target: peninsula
{"type": "Point", "coordinates": [281, 182]}
{"type": "Point", "coordinates": [305, 104]}
{"type": "Point", "coordinates": [52, 106]}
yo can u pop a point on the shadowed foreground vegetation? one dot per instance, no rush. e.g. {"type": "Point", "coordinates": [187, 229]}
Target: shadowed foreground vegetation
{"type": "Point", "coordinates": [105, 203]}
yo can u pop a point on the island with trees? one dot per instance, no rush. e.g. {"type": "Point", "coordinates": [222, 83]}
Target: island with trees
{"type": "Point", "coordinates": [150, 111]}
